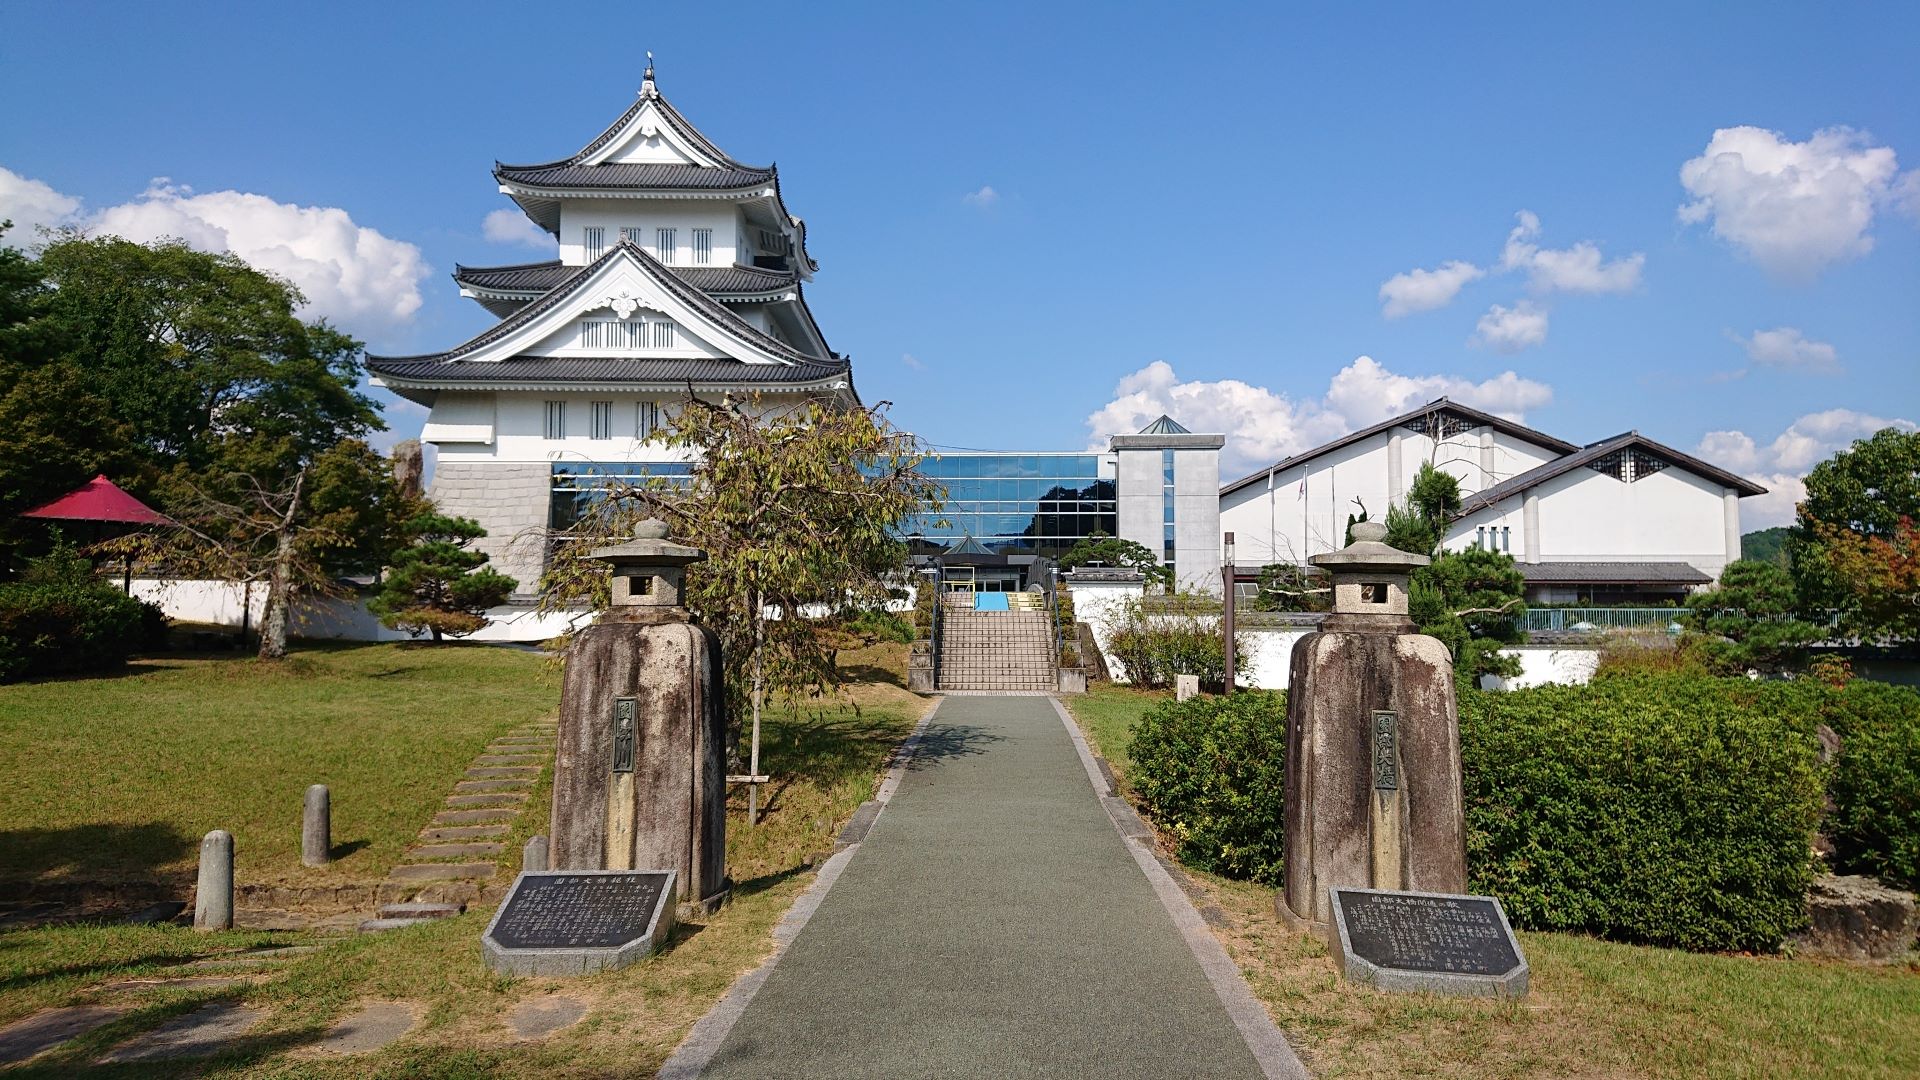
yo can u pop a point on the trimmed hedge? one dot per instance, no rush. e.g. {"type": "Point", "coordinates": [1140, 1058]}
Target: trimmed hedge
{"type": "Point", "coordinates": [59, 619]}
{"type": "Point", "coordinates": [1669, 811]}
{"type": "Point", "coordinates": [1212, 773]}
{"type": "Point", "coordinates": [1652, 810]}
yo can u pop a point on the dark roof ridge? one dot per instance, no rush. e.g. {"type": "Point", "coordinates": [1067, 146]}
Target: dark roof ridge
{"type": "Point", "coordinates": [541, 265]}
{"type": "Point", "coordinates": [1538, 438]}
{"type": "Point", "coordinates": [672, 115]}
{"type": "Point", "coordinates": [661, 274]}
{"type": "Point", "coordinates": [1540, 474]}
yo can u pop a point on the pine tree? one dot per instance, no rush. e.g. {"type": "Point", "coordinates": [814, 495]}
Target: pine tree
{"type": "Point", "coordinates": [438, 584]}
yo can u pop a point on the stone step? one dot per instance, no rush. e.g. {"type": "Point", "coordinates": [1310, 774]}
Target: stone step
{"type": "Point", "coordinates": [417, 910]}
{"type": "Point", "coordinates": [463, 832]}
{"type": "Point", "coordinates": [452, 851]}
{"type": "Point", "coordinates": [441, 871]}
{"type": "Point", "coordinates": [510, 759]}
{"type": "Point", "coordinates": [475, 787]}
{"type": "Point", "coordinates": [207, 1030]}
{"type": "Point", "coordinates": [45, 1030]}
{"type": "Point", "coordinates": [375, 926]}
{"type": "Point", "coordinates": [499, 800]}
{"type": "Point", "coordinates": [517, 773]}
{"type": "Point", "coordinates": [474, 817]}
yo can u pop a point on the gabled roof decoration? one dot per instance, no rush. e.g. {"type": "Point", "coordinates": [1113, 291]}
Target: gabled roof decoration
{"type": "Point", "coordinates": [1441, 417]}
{"type": "Point", "coordinates": [454, 365]}
{"type": "Point", "coordinates": [1597, 456]}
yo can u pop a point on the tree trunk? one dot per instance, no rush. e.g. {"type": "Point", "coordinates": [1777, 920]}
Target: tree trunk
{"type": "Point", "coordinates": [273, 622]}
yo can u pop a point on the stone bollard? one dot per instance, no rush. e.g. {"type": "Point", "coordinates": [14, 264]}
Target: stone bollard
{"type": "Point", "coordinates": [1186, 686]}
{"type": "Point", "coordinates": [316, 827]}
{"type": "Point", "coordinates": [213, 899]}
{"type": "Point", "coordinates": [534, 855]}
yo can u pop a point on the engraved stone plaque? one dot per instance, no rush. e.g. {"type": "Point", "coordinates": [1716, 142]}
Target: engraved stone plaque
{"type": "Point", "coordinates": [1386, 762]}
{"type": "Point", "coordinates": [568, 922]}
{"type": "Point", "coordinates": [623, 714]}
{"type": "Point", "coordinates": [1436, 942]}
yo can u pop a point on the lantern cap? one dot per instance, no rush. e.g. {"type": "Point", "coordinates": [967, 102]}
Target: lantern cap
{"type": "Point", "coordinates": [649, 547]}
{"type": "Point", "coordinates": [1369, 553]}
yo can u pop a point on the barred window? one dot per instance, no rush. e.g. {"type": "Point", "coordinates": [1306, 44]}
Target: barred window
{"type": "Point", "coordinates": [703, 246]}
{"type": "Point", "coordinates": [663, 337]}
{"type": "Point", "coordinates": [556, 419]}
{"type": "Point", "coordinates": [636, 334]}
{"type": "Point", "coordinates": [601, 419]}
{"type": "Point", "coordinates": [598, 334]}
{"type": "Point", "coordinates": [648, 421]}
{"type": "Point", "coordinates": [665, 245]}
{"type": "Point", "coordinates": [631, 235]}
{"type": "Point", "coordinates": [594, 239]}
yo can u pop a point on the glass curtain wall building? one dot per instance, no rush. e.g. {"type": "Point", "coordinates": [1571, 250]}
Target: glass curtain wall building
{"type": "Point", "coordinates": [1005, 511]}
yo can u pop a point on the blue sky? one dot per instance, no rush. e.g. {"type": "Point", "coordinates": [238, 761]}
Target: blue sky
{"type": "Point", "coordinates": [1038, 223]}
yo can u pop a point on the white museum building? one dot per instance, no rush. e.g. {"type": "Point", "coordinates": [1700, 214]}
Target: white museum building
{"type": "Point", "coordinates": [1621, 520]}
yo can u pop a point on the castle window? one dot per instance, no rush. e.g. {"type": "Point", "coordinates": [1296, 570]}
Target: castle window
{"type": "Point", "coordinates": [1480, 537]}
{"type": "Point", "coordinates": [630, 235]}
{"type": "Point", "coordinates": [636, 334]}
{"type": "Point", "coordinates": [556, 419]}
{"type": "Point", "coordinates": [594, 239]}
{"type": "Point", "coordinates": [598, 334]}
{"type": "Point", "coordinates": [648, 421]}
{"type": "Point", "coordinates": [601, 420]}
{"type": "Point", "coordinates": [663, 337]}
{"type": "Point", "coordinates": [703, 246]}
{"type": "Point", "coordinates": [666, 247]}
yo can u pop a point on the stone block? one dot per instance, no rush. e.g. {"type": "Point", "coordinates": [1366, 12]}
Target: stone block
{"type": "Point", "coordinates": [1857, 918]}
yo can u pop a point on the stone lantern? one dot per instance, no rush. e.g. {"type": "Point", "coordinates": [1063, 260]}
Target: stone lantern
{"type": "Point", "coordinates": [1373, 796]}
{"type": "Point", "coordinates": [640, 774]}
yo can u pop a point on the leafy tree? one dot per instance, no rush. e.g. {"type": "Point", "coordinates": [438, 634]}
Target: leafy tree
{"type": "Point", "coordinates": [1879, 579]}
{"type": "Point", "coordinates": [1469, 599]}
{"type": "Point", "coordinates": [438, 584]}
{"type": "Point", "coordinates": [1098, 547]}
{"type": "Point", "coordinates": [794, 507]}
{"type": "Point", "coordinates": [1856, 499]}
{"type": "Point", "coordinates": [1749, 620]}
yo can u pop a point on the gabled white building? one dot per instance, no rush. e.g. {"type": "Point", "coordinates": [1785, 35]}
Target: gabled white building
{"type": "Point", "coordinates": [680, 270]}
{"type": "Point", "coordinates": [1622, 520]}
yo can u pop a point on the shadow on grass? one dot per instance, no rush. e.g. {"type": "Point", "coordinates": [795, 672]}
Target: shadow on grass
{"type": "Point", "coordinates": [872, 673]}
{"type": "Point", "coordinates": [341, 851]}
{"type": "Point", "coordinates": [38, 859]}
{"type": "Point", "coordinates": [767, 881]}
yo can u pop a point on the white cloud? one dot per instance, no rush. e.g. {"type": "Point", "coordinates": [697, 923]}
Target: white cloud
{"type": "Point", "coordinates": [913, 361]}
{"type": "Point", "coordinates": [1786, 347]}
{"type": "Point", "coordinates": [1795, 208]}
{"type": "Point", "coordinates": [1264, 426]}
{"type": "Point", "coordinates": [31, 205]}
{"type": "Point", "coordinates": [355, 276]}
{"type": "Point", "coordinates": [1781, 465]}
{"type": "Point", "coordinates": [1425, 290]}
{"type": "Point", "coordinates": [513, 227]}
{"type": "Point", "coordinates": [1578, 269]}
{"type": "Point", "coordinates": [984, 198]}
{"type": "Point", "coordinates": [1511, 329]}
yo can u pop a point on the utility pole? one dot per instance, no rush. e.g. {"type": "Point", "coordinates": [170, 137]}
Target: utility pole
{"type": "Point", "coordinates": [1226, 573]}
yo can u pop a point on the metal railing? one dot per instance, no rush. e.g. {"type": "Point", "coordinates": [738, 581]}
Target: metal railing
{"type": "Point", "coordinates": [1598, 619]}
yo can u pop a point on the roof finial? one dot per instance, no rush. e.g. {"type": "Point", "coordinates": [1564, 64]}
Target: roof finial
{"type": "Point", "coordinates": [646, 80]}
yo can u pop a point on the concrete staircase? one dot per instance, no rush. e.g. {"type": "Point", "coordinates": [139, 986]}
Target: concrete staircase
{"type": "Point", "coordinates": [996, 650]}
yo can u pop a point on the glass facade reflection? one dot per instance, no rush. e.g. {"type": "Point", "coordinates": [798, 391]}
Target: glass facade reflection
{"type": "Point", "coordinates": [577, 485]}
{"type": "Point", "coordinates": [1014, 504]}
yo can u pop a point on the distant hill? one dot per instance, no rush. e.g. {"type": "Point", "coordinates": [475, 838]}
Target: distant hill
{"type": "Point", "coordinates": [1766, 545]}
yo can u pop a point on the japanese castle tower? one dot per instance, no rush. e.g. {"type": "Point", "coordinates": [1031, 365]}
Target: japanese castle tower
{"type": "Point", "coordinates": [680, 269]}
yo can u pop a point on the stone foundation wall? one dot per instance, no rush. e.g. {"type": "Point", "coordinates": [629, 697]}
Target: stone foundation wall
{"type": "Point", "coordinates": [509, 500]}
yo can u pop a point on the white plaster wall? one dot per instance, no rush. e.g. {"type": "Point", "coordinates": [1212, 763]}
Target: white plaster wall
{"type": "Point", "coordinates": [218, 603]}
{"type": "Point", "coordinates": [1541, 665]}
{"type": "Point", "coordinates": [722, 216]}
{"type": "Point", "coordinates": [1269, 657]}
{"type": "Point", "coordinates": [1668, 516]}
{"type": "Point", "coordinates": [1099, 604]}
{"type": "Point", "coordinates": [520, 419]}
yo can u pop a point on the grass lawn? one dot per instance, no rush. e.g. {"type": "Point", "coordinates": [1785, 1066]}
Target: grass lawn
{"type": "Point", "coordinates": [112, 778]}
{"type": "Point", "coordinates": [1596, 1008]}
{"type": "Point", "coordinates": [826, 760]}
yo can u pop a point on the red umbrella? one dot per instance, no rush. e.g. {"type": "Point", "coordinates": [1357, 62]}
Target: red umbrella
{"type": "Point", "coordinates": [98, 500]}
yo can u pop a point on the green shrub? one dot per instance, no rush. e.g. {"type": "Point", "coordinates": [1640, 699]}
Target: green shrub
{"type": "Point", "coordinates": [59, 618]}
{"type": "Point", "coordinates": [1212, 773]}
{"type": "Point", "coordinates": [1645, 809]}
{"type": "Point", "coordinates": [1175, 635]}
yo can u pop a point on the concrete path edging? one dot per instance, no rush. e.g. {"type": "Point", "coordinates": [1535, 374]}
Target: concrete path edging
{"type": "Point", "coordinates": [694, 1053]}
{"type": "Point", "coordinates": [1264, 1038]}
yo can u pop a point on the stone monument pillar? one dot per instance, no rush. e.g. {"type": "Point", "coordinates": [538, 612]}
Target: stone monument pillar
{"type": "Point", "coordinates": [640, 773]}
{"type": "Point", "coordinates": [1373, 796]}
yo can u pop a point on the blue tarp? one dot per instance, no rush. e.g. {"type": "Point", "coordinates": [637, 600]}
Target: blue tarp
{"type": "Point", "coordinates": [990, 601]}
